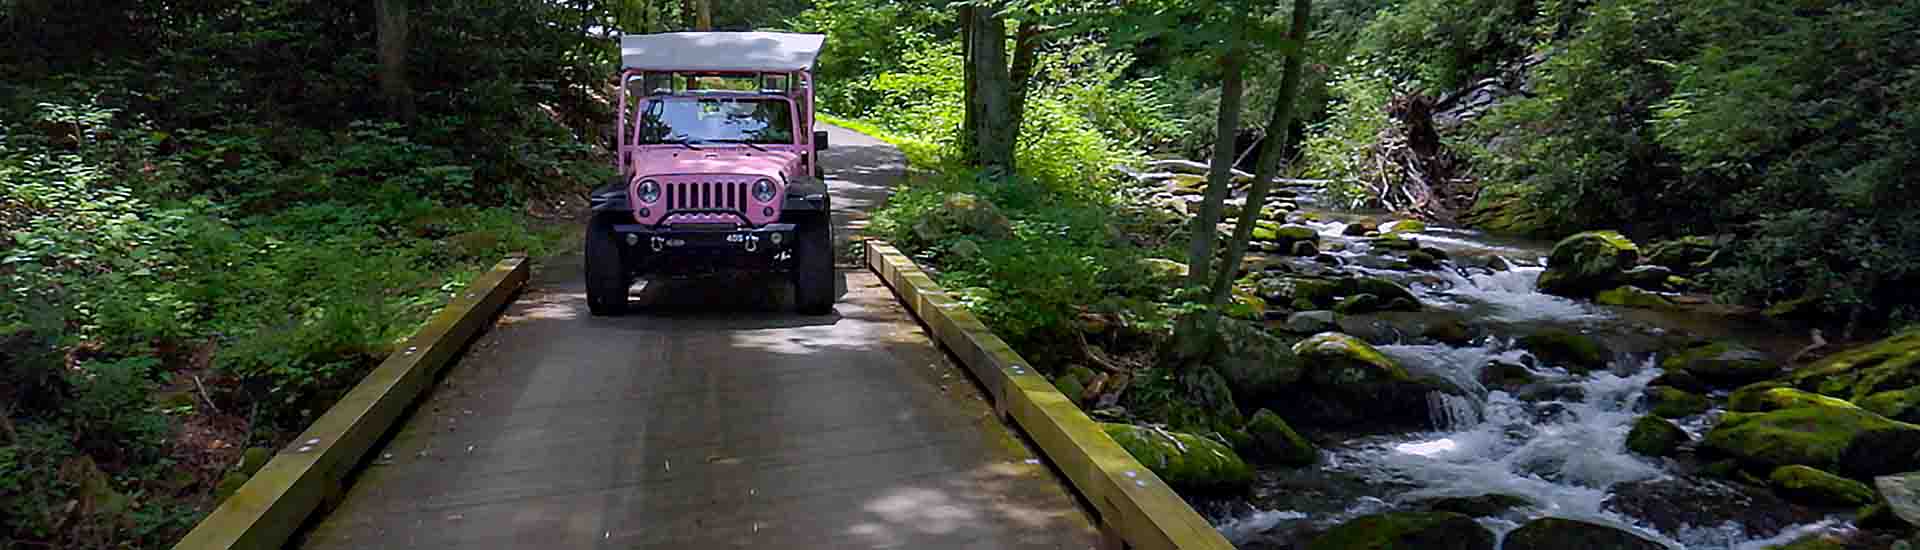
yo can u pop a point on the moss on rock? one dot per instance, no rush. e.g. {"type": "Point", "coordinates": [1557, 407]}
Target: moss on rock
{"type": "Point", "coordinates": [1406, 530]}
{"type": "Point", "coordinates": [1811, 436]}
{"type": "Point", "coordinates": [1185, 461]}
{"type": "Point", "coordinates": [1574, 352]}
{"type": "Point", "coordinates": [1479, 506]}
{"type": "Point", "coordinates": [1722, 364]}
{"type": "Point", "coordinates": [1257, 364]}
{"type": "Point", "coordinates": [1886, 365]}
{"type": "Point", "coordinates": [1816, 486]}
{"type": "Point", "coordinates": [1769, 396]}
{"type": "Point", "coordinates": [1901, 405]}
{"type": "Point", "coordinates": [1629, 296]}
{"type": "Point", "coordinates": [1335, 359]}
{"type": "Point", "coordinates": [1567, 534]}
{"type": "Point", "coordinates": [1388, 291]}
{"type": "Point", "coordinates": [1654, 436]}
{"type": "Point", "coordinates": [1164, 272]}
{"type": "Point", "coordinates": [1668, 402]}
{"type": "Point", "coordinates": [1275, 441]}
{"type": "Point", "coordinates": [1587, 263]}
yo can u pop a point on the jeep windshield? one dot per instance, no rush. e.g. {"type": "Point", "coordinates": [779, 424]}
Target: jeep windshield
{"type": "Point", "coordinates": [697, 120]}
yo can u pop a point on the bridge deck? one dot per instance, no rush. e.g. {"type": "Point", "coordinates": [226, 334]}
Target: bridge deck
{"type": "Point", "coordinates": [718, 420]}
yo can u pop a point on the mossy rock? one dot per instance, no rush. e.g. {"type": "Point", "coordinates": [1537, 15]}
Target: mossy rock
{"type": "Point", "coordinates": [1395, 242]}
{"type": "Point", "coordinates": [1296, 233]}
{"type": "Point", "coordinates": [1275, 441]}
{"type": "Point", "coordinates": [1681, 379]}
{"type": "Point", "coordinates": [1811, 436]}
{"type": "Point", "coordinates": [1422, 260]}
{"type": "Point", "coordinates": [1628, 296]}
{"type": "Point", "coordinates": [1185, 461]}
{"type": "Point", "coordinates": [1684, 255]}
{"type": "Point", "coordinates": [1650, 277]}
{"type": "Point", "coordinates": [1587, 263]}
{"type": "Point", "coordinates": [1575, 352]}
{"type": "Point", "coordinates": [1340, 360]}
{"type": "Point", "coordinates": [1487, 505]}
{"type": "Point", "coordinates": [1768, 396]}
{"type": "Point", "coordinates": [1389, 292]}
{"type": "Point", "coordinates": [1358, 228]}
{"type": "Point", "coordinates": [1406, 530]}
{"type": "Point", "coordinates": [1668, 402]}
{"type": "Point", "coordinates": [1257, 364]}
{"type": "Point", "coordinates": [1901, 405]}
{"type": "Point", "coordinates": [1448, 331]}
{"type": "Point", "coordinates": [1164, 272]}
{"type": "Point", "coordinates": [1304, 249]}
{"type": "Point", "coordinates": [1403, 226]}
{"type": "Point", "coordinates": [1503, 375]}
{"type": "Point", "coordinates": [1722, 364]}
{"type": "Point", "coordinates": [1567, 534]}
{"type": "Point", "coordinates": [1070, 387]}
{"type": "Point", "coordinates": [1883, 366]}
{"type": "Point", "coordinates": [1313, 293]}
{"type": "Point", "coordinates": [1815, 486]}
{"type": "Point", "coordinates": [1655, 436]}
{"type": "Point", "coordinates": [1359, 303]}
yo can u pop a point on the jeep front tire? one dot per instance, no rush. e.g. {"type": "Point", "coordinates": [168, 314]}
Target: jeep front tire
{"type": "Point", "coordinates": [813, 285]}
{"type": "Point", "coordinates": [607, 281]}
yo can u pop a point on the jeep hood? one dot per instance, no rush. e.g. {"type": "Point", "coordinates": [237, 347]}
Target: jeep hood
{"type": "Point", "coordinates": [714, 160]}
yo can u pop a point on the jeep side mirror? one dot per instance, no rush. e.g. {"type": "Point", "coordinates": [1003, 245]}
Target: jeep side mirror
{"type": "Point", "coordinates": [820, 140]}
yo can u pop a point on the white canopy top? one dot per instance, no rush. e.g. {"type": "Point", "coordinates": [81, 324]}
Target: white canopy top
{"type": "Point", "coordinates": [721, 51]}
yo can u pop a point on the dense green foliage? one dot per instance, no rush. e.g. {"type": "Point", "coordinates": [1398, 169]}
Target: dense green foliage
{"type": "Point", "coordinates": [209, 228]}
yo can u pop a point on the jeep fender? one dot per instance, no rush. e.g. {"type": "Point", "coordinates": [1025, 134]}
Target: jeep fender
{"type": "Point", "coordinates": [804, 193]}
{"type": "Point", "coordinates": [611, 197]}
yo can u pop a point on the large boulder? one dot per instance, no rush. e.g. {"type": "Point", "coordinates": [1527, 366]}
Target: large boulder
{"type": "Point", "coordinates": [1667, 402]}
{"type": "Point", "coordinates": [1479, 506]}
{"type": "Point", "coordinates": [1815, 486]}
{"type": "Point", "coordinates": [1811, 436]}
{"type": "Point", "coordinates": [1394, 296]}
{"type": "Point", "coordinates": [1337, 360]}
{"type": "Point", "coordinates": [1903, 495]}
{"type": "Point", "coordinates": [1722, 364]}
{"type": "Point", "coordinates": [1352, 386]}
{"type": "Point", "coordinates": [1566, 534]}
{"type": "Point", "coordinates": [964, 214]}
{"type": "Point", "coordinates": [1310, 293]}
{"type": "Point", "coordinates": [1397, 530]}
{"type": "Point", "coordinates": [1901, 405]}
{"type": "Point", "coordinates": [1673, 503]}
{"type": "Point", "coordinates": [1185, 461]}
{"type": "Point", "coordinates": [1886, 365]}
{"type": "Point", "coordinates": [1575, 352]}
{"type": "Point", "coordinates": [1768, 396]}
{"type": "Point", "coordinates": [1587, 263]}
{"type": "Point", "coordinates": [1275, 441]}
{"type": "Point", "coordinates": [1257, 364]}
{"type": "Point", "coordinates": [1654, 436]}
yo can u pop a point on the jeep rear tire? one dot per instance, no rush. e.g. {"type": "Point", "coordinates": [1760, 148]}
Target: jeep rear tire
{"type": "Point", "coordinates": [607, 281]}
{"type": "Point", "coordinates": [813, 285]}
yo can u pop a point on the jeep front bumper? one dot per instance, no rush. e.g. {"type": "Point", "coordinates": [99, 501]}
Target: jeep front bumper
{"type": "Point", "coordinates": [681, 250]}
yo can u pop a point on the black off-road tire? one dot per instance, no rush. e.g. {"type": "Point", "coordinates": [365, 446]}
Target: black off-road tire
{"type": "Point", "coordinates": [607, 280]}
{"type": "Point", "coordinates": [813, 284]}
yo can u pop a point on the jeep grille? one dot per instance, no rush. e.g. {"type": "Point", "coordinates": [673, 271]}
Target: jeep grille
{"type": "Point", "coordinates": [729, 195]}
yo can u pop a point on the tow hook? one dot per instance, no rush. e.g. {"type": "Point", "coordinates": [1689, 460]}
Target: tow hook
{"type": "Point", "coordinates": [659, 243]}
{"type": "Point", "coordinates": [753, 243]}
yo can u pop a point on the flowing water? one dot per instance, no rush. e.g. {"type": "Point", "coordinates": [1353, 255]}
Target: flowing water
{"type": "Point", "coordinates": [1562, 450]}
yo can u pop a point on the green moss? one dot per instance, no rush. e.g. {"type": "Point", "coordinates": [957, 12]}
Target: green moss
{"type": "Point", "coordinates": [1070, 387]}
{"type": "Point", "coordinates": [1185, 461]}
{"type": "Point", "coordinates": [1668, 402]}
{"type": "Point", "coordinates": [1403, 226]}
{"type": "Point", "coordinates": [1768, 396]}
{"type": "Point", "coordinates": [1812, 485]}
{"type": "Point", "coordinates": [1315, 293]}
{"type": "Point", "coordinates": [1291, 233]}
{"type": "Point", "coordinates": [1886, 365]}
{"type": "Point", "coordinates": [1574, 352]}
{"type": "Point", "coordinates": [1164, 272]}
{"type": "Point", "coordinates": [1653, 436]}
{"type": "Point", "coordinates": [1335, 359]}
{"type": "Point", "coordinates": [1812, 436]}
{"type": "Point", "coordinates": [1586, 263]}
{"type": "Point", "coordinates": [1422, 260]}
{"type": "Point", "coordinates": [1628, 296]}
{"type": "Point", "coordinates": [1265, 234]}
{"type": "Point", "coordinates": [1274, 440]}
{"type": "Point", "coordinates": [1722, 363]}
{"type": "Point", "coordinates": [1406, 530]}
{"type": "Point", "coordinates": [1898, 405]}
{"type": "Point", "coordinates": [1358, 303]}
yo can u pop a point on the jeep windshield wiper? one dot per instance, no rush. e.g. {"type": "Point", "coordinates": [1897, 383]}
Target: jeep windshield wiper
{"type": "Point", "coordinates": [755, 146]}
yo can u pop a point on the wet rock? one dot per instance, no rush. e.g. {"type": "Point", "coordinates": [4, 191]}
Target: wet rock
{"type": "Point", "coordinates": [1587, 263]}
{"type": "Point", "coordinates": [1164, 272]}
{"type": "Point", "coordinates": [1565, 534]}
{"type": "Point", "coordinates": [1478, 506]}
{"type": "Point", "coordinates": [1394, 242]}
{"type": "Point", "coordinates": [1682, 380]}
{"type": "Point", "coordinates": [1901, 405]}
{"type": "Point", "coordinates": [1353, 386]}
{"type": "Point", "coordinates": [1358, 303]}
{"type": "Point", "coordinates": [1502, 375]}
{"type": "Point", "coordinates": [1575, 352]}
{"type": "Point", "coordinates": [1358, 228]}
{"type": "Point", "coordinates": [1668, 402]}
{"type": "Point", "coordinates": [1887, 365]}
{"type": "Point", "coordinates": [1722, 364]}
{"type": "Point", "coordinates": [1422, 260]}
{"type": "Point", "coordinates": [1395, 530]}
{"type": "Point", "coordinates": [1654, 436]}
{"type": "Point", "coordinates": [1275, 441]}
{"type": "Point", "coordinates": [1812, 436]}
{"type": "Point", "coordinates": [1337, 359]}
{"type": "Point", "coordinates": [1902, 493]}
{"type": "Point", "coordinates": [1881, 451]}
{"type": "Point", "coordinates": [1649, 277]}
{"type": "Point", "coordinates": [1815, 486]}
{"type": "Point", "coordinates": [1304, 249]}
{"type": "Point", "coordinates": [1313, 322]}
{"type": "Point", "coordinates": [1257, 364]}
{"type": "Point", "coordinates": [1403, 226]}
{"type": "Point", "coordinates": [1769, 396]}
{"type": "Point", "coordinates": [1448, 331]}
{"type": "Point", "coordinates": [1552, 392]}
{"type": "Point", "coordinates": [1669, 504]}
{"type": "Point", "coordinates": [1389, 291]}
{"type": "Point", "coordinates": [1628, 296]}
{"type": "Point", "coordinates": [1185, 461]}
{"type": "Point", "coordinates": [1306, 294]}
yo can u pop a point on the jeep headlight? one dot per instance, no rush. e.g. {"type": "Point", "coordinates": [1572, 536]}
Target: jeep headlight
{"type": "Point", "coordinates": [763, 190]}
{"type": "Point", "coordinates": [649, 191]}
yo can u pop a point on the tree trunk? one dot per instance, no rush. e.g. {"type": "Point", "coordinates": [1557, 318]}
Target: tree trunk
{"type": "Point", "coordinates": [391, 24]}
{"type": "Point", "coordinates": [703, 15]}
{"type": "Point", "coordinates": [1026, 46]}
{"type": "Point", "coordinates": [969, 89]}
{"type": "Point", "coordinates": [1193, 339]}
{"type": "Point", "coordinates": [1274, 146]}
{"type": "Point", "coordinates": [688, 15]}
{"type": "Point", "coordinates": [992, 126]}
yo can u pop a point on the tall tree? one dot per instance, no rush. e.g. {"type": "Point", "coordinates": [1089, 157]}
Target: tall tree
{"type": "Point", "coordinates": [391, 26]}
{"type": "Point", "coordinates": [1268, 166]}
{"type": "Point", "coordinates": [1027, 39]}
{"type": "Point", "coordinates": [989, 123]}
{"type": "Point", "coordinates": [703, 15]}
{"type": "Point", "coordinates": [1194, 339]}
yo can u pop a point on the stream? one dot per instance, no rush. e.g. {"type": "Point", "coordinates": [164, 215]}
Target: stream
{"type": "Point", "coordinates": [1560, 449]}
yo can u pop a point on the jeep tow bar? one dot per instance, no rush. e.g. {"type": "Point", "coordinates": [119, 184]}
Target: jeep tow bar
{"type": "Point", "coordinates": [753, 243]}
{"type": "Point", "coordinates": [659, 243]}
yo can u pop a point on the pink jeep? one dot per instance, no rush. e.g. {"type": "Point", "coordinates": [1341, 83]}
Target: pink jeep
{"type": "Point", "coordinates": [719, 169]}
